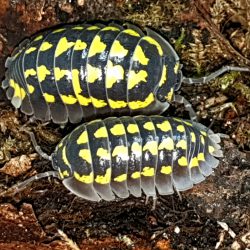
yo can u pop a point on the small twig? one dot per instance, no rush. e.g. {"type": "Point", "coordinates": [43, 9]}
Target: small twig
{"type": "Point", "coordinates": [68, 241]}
{"type": "Point", "coordinates": [227, 228]}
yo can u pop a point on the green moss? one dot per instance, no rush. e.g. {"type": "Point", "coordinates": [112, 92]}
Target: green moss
{"type": "Point", "coordinates": [179, 42]}
{"type": "Point", "coordinates": [227, 80]}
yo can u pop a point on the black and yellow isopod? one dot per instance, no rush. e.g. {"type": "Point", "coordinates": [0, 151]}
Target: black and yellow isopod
{"type": "Point", "coordinates": [87, 71]}
{"type": "Point", "coordinates": [116, 157]}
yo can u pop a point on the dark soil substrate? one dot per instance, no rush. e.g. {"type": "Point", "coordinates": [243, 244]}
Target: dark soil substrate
{"type": "Point", "coordinates": [213, 215]}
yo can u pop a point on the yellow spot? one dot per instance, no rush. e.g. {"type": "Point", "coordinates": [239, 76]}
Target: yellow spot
{"type": "Point", "coordinates": [136, 149]}
{"type": "Point", "coordinates": [166, 170]}
{"type": "Point", "coordinates": [60, 145]}
{"type": "Point", "coordinates": [133, 128]}
{"type": "Point", "coordinates": [134, 78]}
{"type": "Point", "coordinates": [183, 161]}
{"type": "Point", "coordinates": [140, 56]}
{"type": "Point", "coordinates": [194, 162]}
{"type": "Point", "coordinates": [64, 157]}
{"type": "Point", "coordinates": [117, 50]}
{"type": "Point", "coordinates": [93, 73]}
{"type": "Point", "coordinates": [60, 174]}
{"type": "Point", "coordinates": [152, 147]}
{"type": "Point", "coordinates": [101, 133]}
{"type": "Point", "coordinates": [167, 144]}
{"type": "Point", "coordinates": [93, 28]}
{"type": "Point", "coordinates": [58, 30]}
{"type": "Point", "coordinates": [121, 178]}
{"type": "Point", "coordinates": [163, 79]}
{"type": "Point", "coordinates": [203, 133]}
{"type": "Point", "coordinates": [111, 28]}
{"type": "Point", "coordinates": [154, 42]}
{"type": "Point", "coordinates": [76, 82]}
{"type": "Point", "coordinates": [136, 175]}
{"type": "Point", "coordinates": [77, 28]}
{"type": "Point", "coordinates": [188, 123]}
{"type": "Point", "coordinates": [117, 104]}
{"type": "Point", "coordinates": [118, 129]}
{"type": "Point", "coordinates": [29, 72]}
{"type": "Point", "coordinates": [182, 144]}
{"type": "Point", "coordinates": [49, 98]}
{"type": "Point", "coordinates": [104, 179]}
{"type": "Point", "coordinates": [148, 171]}
{"type": "Point", "coordinates": [131, 32]}
{"type": "Point", "coordinates": [83, 138]}
{"type": "Point", "coordinates": [121, 152]}
{"type": "Point", "coordinates": [18, 91]}
{"type": "Point", "coordinates": [38, 38]}
{"type": "Point", "coordinates": [45, 46]}
{"type": "Point", "coordinates": [103, 154]}
{"type": "Point", "coordinates": [84, 101]}
{"type": "Point", "coordinates": [177, 119]}
{"type": "Point", "coordinates": [31, 88]}
{"type": "Point", "coordinates": [79, 45]}
{"type": "Point", "coordinates": [17, 54]}
{"type": "Point", "coordinates": [29, 50]}
{"type": "Point", "coordinates": [62, 46]}
{"type": "Point", "coordinates": [193, 138]}
{"type": "Point", "coordinates": [85, 154]}
{"type": "Point", "coordinates": [42, 72]}
{"type": "Point", "coordinates": [169, 95]}
{"type": "Point", "coordinates": [211, 149]}
{"type": "Point", "coordinates": [149, 126]}
{"type": "Point", "coordinates": [176, 67]}
{"type": "Point", "coordinates": [201, 157]}
{"type": "Point", "coordinates": [114, 74]}
{"type": "Point", "coordinates": [60, 73]}
{"type": "Point", "coordinates": [97, 46]}
{"type": "Point", "coordinates": [87, 179]}
{"type": "Point", "coordinates": [63, 174]}
{"type": "Point", "coordinates": [98, 103]}
{"type": "Point", "coordinates": [68, 99]}
{"type": "Point", "coordinates": [22, 93]}
{"type": "Point", "coordinates": [180, 128]}
{"type": "Point", "coordinates": [165, 126]}
{"type": "Point", "coordinates": [142, 104]}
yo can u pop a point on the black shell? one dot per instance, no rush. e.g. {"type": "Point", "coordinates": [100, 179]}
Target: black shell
{"type": "Point", "coordinates": [86, 71]}
{"type": "Point", "coordinates": [128, 155]}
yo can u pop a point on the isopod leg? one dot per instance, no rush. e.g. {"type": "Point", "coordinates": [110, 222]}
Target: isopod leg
{"type": "Point", "coordinates": [154, 198]}
{"type": "Point", "coordinates": [20, 186]}
{"type": "Point", "coordinates": [187, 105]}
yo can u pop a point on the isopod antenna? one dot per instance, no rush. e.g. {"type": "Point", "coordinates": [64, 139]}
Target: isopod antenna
{"type": "Point", "coordinates": [206, 79]}
{"type": "Point", "coordinates": [20, 186]}
{"type": "Point", "coordinates": [36, 146]}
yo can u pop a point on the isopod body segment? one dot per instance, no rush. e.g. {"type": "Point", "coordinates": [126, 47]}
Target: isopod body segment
{"type": "Point", "coordinates": [85, 71]}
{"type": "Point", "coordinates": [80, 72]}
{"type": "Point", "coordinates": [113, 157]}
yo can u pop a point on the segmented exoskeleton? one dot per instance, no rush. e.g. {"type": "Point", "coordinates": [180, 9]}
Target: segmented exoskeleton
{"type": "Point", "coordinates": [88, 71]}
{"type": "Point", "coordinates": [121, 156]}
